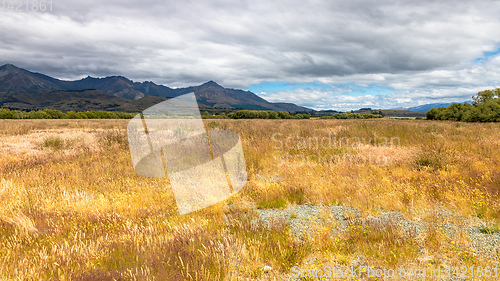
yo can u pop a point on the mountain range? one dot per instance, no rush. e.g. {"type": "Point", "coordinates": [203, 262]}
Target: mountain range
{"type": "Point", "coordinates": [25, 90]}
{"type": "Point", "coordinates": [427, 107]}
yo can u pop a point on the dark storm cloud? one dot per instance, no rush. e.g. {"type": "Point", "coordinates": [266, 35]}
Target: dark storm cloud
{"type": "Point", "coordinates": [412, 46]}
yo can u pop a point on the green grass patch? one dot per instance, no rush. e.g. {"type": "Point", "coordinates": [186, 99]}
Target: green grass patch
{"type": "Point", "coordinates": [273, 203]}
{"type": "Point", "coordinates": [55, 143]}
{"type": "Point", "coordinates": [374, 241]}
{"type": "Point", "coordinates": [491, 229]}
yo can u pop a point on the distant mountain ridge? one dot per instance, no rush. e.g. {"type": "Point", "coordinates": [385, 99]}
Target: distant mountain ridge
{"type": "Point", "coordinates": [426, 107]}
{"type": "Point", "coordinates": [24, 85]}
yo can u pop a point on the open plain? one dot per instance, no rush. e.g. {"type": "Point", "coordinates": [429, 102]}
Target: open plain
{"type": "Point", "coordinates": [380, 194]}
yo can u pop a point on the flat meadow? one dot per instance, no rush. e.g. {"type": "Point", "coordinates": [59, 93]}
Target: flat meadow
{"type": "Point", "coordinates": [72, 207]}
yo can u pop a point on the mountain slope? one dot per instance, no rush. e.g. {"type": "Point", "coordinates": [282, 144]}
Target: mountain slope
{"type": "Point", "coordinates": [67, 101]}
{"type": "Point", "coordinates": [18, 80]}
{"type": "Point", "coordinates": [113, 85]}
{"type": "Point", "coordinates": [213, 94]}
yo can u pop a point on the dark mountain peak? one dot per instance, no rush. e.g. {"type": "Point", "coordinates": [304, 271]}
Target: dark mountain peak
{"type": "Point", "coordinates": [17, 80]}
{"type": "Point", "coordinates": [10, 68]}
{"type": "Point", "coordinates": [211, 84]}
{"type": "Point", "coordinates": [114, 77]}
{"type": "Point", "coordinates": [8, 65]}
{"type": "Point", "coordinates": [119, 77]}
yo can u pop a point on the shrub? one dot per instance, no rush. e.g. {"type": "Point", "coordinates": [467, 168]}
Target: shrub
{"type": "Point", "coordinates": [6, 114]}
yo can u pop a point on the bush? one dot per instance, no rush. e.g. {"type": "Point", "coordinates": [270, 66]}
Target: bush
{"type": "Point", "coordinates": [301, 116]}
{"type": "Point", "coordinates": [284, 115]}
{"type": "Point", "coordinates": [54, 114]}
{"type": "Point", "coordinates": [6, 114]}
{"type": "Point", "coordinates": [38, 115]}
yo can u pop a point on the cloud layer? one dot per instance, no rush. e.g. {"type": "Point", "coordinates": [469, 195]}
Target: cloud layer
{"type": "Point", "coordinates": [418, 51]}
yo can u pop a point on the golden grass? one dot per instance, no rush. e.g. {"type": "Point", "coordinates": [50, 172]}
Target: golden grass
{"type": "Point", "coordinates": [72, 208]}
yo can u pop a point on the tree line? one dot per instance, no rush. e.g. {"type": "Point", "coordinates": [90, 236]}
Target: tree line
{"type": "Point", "coordinates": [6, 113]}
{"type": "Point", "coordinates": [485, 107]}
{"type": "Point", "coordinates": [256, 114]}
{"type": "Point", "coordinates": [351, 115]}
{"type": "Point", "coordinates": [260, 114]}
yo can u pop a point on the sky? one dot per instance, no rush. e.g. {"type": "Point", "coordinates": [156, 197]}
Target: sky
{"type": "Point", "coordinates": [323, 54]}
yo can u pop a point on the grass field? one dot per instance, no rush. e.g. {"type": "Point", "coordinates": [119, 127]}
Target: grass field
{"type": "Point", "coordinates": [72, 208]}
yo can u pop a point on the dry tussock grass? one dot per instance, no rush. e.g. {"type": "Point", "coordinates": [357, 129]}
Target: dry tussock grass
{"type": "Point", "coordinates": [391, 155]}
{"type": "Point", "coordinates": [43, 142]}
{"type": "Point", "coordinates": [72, 207]}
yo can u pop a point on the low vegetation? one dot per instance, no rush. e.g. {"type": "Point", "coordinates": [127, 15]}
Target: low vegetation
{"type": "Point", "coordinates": [56, 114]}
{"type": "Point", "coordinates": [240, 114]}
{"type": "Point", "coordinates": [255, 114]}
{"type": "Point", "coordinates": [72, 208]}
{"type": "Point", "coordinates": [349, 115]}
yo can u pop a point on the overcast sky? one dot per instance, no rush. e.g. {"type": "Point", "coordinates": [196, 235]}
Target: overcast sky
{"type": "Point", "coordinates": [321, 54]}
